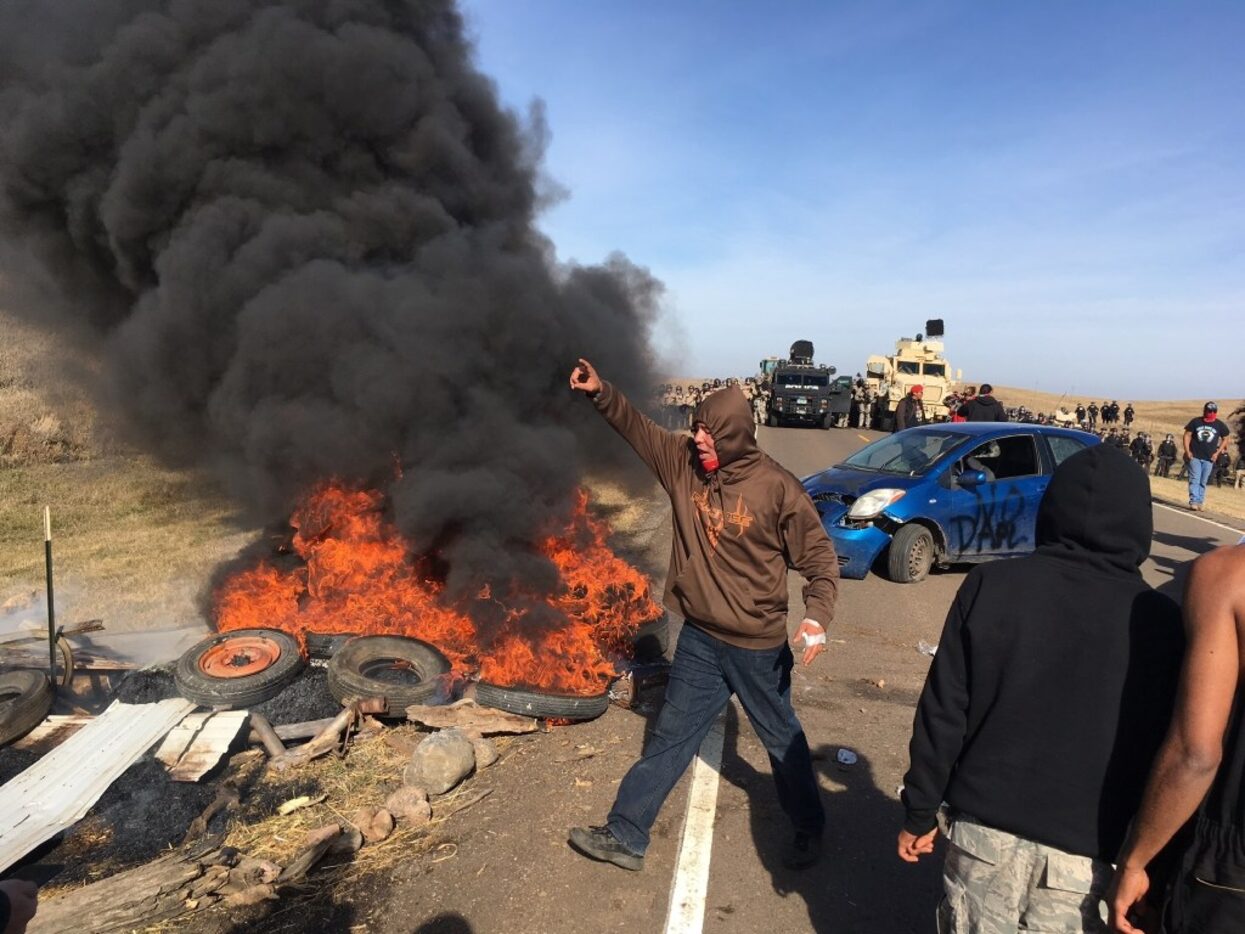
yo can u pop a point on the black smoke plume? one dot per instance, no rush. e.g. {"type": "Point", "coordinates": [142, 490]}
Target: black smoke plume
{"type": "Point", "coordinates": [302, 234]}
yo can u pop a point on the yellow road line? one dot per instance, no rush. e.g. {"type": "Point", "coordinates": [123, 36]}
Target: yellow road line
{"type": "Point", "coordinates": [861, 437]}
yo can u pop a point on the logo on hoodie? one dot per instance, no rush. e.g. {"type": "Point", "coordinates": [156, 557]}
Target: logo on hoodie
{"type": "Point", "coordinates": [715, 519]}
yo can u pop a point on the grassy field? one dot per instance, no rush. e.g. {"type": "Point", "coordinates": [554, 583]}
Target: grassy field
{"type": "Point", "coordinates": [135, 542]}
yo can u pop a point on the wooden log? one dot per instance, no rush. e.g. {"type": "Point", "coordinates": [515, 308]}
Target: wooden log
{"type": "Point", "coordinates": [469, 716]}
{"type": "Point", "coordinates": [293, 731]}
{"type": "Point", "coordinates": [267, 735]}
{"type": "Point", "coordinates": [324, 742]}
{"type": "Point", "coordinates": [137, 898]}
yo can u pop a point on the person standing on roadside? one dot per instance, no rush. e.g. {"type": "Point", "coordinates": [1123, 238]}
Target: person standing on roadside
{"type": "Point", "coordinates": [911, 409]}
{"type": "Point", "coordinates": [1200, 768]}
{"type": "Point", "coordinates": [1052, 684]}
{"type": "Point", "coordinates": [1204, 438]}
{"type": "Point", "coordinates": [739, 521]}
{"type": "Point", "coordinates": [984, 408]}
{"type": "Point", "coordinates": [1092, 412]}
{"type": "Point", "coordinates": [1166, 457]}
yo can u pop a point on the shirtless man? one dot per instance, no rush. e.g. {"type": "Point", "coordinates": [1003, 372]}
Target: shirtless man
{"type": "Point", "coordinates": [1200, 767]}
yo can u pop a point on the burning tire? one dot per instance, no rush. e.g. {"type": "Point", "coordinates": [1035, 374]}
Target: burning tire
{"type": "Point", "coordinates": [403, 671]}
{"type": "Point", "coordinates": [543, 705]}
{"type": "Point", "coordinates": [238, 669]}
{"type": "Point", "coordinates": [25, 699]}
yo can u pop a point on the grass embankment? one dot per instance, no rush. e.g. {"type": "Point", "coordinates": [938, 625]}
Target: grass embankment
{"type": "Point", "coordinates": [1159, 419]}
{"type": "Point", "coordinates": [135, 542]}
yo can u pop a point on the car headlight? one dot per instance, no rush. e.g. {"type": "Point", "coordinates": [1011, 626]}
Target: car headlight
{"type": "Point", "coordinates": [872, 503]}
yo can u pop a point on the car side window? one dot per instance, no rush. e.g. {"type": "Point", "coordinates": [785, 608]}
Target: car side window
{"type": "Point", "coordinates": [1004, 458]}
{"type": "Point", "coordinates": [1063, 448]}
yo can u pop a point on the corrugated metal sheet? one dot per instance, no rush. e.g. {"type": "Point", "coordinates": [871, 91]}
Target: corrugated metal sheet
{"type": "Point", "coordinates": [199, 742]}
{"type": "Point", "coordinates": [58, 790]}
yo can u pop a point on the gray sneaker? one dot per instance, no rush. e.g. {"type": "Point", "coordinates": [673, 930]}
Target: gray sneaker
{"type": "Point", "coordinates": [601, 844]}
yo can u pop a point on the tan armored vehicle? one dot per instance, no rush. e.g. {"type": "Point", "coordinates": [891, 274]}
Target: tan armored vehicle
{"type": "Point", "coordinates": [917, 361]}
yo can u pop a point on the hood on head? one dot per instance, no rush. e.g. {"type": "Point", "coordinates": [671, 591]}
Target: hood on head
{"type": "Point", "coordinates": [729, 419]}
{"type": "Point", "coordinates": [1097, 510]}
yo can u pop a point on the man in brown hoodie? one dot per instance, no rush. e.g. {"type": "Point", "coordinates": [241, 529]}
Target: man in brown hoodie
{"type": "Point", "coordinates": [740, 520]}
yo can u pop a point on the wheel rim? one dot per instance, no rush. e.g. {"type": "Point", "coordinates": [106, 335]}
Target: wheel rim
{"type": "Point", "coordinates": [239, 657]}
{"type": "Point", "coordinates": [395, 671]}
{"type": "Point", "coordinates": [919, 556]}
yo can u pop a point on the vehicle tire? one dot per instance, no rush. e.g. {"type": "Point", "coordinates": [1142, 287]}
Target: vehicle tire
{"type": "Point", "coordinates": [541, 704]}
{"type": "Point", "coordinates": [25, 699]}
{"type": "Point", "coordinates": [325, 647]}
{"type": "Point", "coordinates": [238, 669]}
{"type": "Point", "coordinates": [403, 671]}
{"type": "Point", "coordinates": [772, 421]}
{"type": "Point", "coordinates": [652, 640]}
{"type": "Point", "coordinates": [911, 554]}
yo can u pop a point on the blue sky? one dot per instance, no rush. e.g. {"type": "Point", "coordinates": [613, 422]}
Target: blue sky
{"type": "Point", "coordinates": [1062, 182]}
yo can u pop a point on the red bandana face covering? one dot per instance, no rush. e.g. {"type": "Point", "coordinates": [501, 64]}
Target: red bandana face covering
{"type": "Point", "coordinates": [710, 465]}
{"type": "Point", "coordinates": [1209, 416]}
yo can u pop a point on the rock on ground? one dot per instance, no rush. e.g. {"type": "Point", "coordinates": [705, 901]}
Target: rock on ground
{"type": "Point", "coordinates": [440, 762]}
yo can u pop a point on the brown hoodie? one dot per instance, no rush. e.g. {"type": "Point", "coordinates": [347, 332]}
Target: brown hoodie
{"type": "Point", "coordinates": [736, 530]}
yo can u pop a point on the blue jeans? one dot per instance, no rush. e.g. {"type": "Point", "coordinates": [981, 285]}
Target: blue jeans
{"type": "Point", "coordinates": [1200, 473]}
{"type": "Point", "coordinates": [704, 675]}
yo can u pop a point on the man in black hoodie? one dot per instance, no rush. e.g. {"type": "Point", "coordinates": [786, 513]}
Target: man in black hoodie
{"type": "Point", "coordinates": [1049, 694]}
{"type": "Point", "coordinates": [985, 408]}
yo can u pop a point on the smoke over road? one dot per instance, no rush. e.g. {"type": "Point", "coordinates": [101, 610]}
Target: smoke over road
{"type": "Point", "coordinates": [302, 234]}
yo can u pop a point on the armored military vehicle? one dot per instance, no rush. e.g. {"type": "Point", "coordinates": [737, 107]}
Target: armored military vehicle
{"type": "Point", "coordinates": [917, 361]}
{"type": "Point", "coordinates": [801, 391]}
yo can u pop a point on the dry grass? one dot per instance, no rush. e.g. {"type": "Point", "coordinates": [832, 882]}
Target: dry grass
{"type": "Point", "coordinates": [135, 542]}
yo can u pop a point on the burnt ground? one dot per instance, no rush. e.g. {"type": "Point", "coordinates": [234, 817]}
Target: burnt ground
{"type": "Point", "coordinates": [503, 865]}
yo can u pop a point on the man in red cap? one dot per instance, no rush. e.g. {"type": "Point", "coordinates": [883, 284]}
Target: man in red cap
{"type": "Point", "coordinates": [1205, 439]}
{"type": "Point", "coordinates": [911, 409]}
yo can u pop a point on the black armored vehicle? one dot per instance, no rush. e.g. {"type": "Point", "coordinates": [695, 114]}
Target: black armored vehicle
{"type": "Point", "coordinates": [803, 393]}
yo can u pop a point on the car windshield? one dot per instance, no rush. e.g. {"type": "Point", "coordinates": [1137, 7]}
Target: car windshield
{"type": "Point", "coordinates": [802, 379]}
{"type": "Point", "coordinates": [908, 453]}
{"type": "Point", "coordinates": [935, 369]}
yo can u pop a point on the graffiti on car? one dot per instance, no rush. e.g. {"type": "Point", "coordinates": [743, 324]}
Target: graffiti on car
{"type": "Point", "coordinates": [994, 523]}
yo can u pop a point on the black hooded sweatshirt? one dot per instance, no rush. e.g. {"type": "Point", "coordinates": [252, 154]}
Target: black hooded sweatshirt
{"type": "Point", "coordinates": [1056, 673]}
{"type": "Point", "coordinates": [984, 409]}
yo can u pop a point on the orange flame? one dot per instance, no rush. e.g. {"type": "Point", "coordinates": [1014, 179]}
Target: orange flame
{"type": "Point", "coordinates": [358, 576]}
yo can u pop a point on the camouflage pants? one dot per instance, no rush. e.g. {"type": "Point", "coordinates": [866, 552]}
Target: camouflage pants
{"type": "Point", "coordinates": [998, 883]}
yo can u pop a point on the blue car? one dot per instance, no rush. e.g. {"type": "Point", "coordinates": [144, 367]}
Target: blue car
{"type": "Point", "coordinates": [940, 494]}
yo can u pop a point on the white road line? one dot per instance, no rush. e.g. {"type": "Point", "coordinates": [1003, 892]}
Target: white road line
{"type": "Point", "coordinates": [686, 913]}
{"type": "Point", "coordinates": [1191, 515]}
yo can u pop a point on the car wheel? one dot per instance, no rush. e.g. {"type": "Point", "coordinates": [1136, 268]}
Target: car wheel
{"type": "Point", "coordinates": [403, 671]}
{"type": "Point", "coordinates": [238, 669]}
{"type": "Point", "coordinates": [911, 554]}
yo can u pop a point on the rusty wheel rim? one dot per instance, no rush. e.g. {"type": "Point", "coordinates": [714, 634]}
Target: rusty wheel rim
{"type": "Point", "coordinates": [239, 657]}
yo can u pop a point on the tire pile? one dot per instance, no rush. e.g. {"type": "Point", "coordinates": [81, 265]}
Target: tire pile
{"type": "Point", "coordinates": [246, 667]}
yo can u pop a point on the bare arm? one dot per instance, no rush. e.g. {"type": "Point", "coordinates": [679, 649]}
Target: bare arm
{"type": "Point", "coordinates": [1188, 452]}
{"type": "Point", "coordinates": [1189, 757]}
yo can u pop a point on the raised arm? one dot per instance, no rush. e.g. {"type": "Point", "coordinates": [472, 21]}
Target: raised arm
{"type": "Point", "coordinates": [665, 453]}
{"type": "Point", "coordinates": [1189, 757]}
